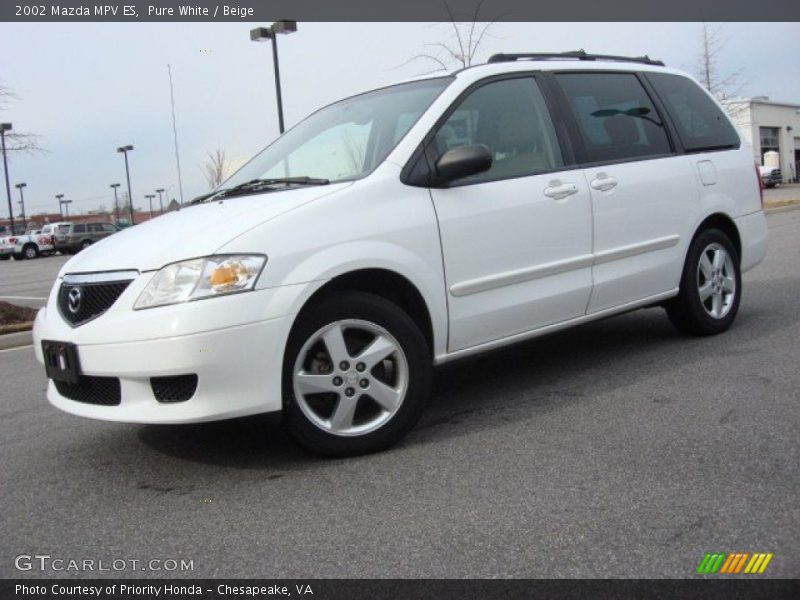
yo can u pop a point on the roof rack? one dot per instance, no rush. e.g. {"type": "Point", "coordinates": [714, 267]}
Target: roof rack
{"type": "Point", "coordinates": [575, 54]}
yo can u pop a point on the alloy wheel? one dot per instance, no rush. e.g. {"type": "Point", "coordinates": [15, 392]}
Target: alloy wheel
{"type": "Point", "coordinates": [350, 377]}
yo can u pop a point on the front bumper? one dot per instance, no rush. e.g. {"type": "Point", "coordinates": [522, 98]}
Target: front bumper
{"type": "Point", "coordinates": [238, 364]}
{"type": "Point", "coordinates": [6, 250]}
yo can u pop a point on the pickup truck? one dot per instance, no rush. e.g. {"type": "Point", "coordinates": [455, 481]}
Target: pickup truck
{"type": "Point", "coordinates": [32, 244]}
{"type": "Point", "coordinates": [6, 249]}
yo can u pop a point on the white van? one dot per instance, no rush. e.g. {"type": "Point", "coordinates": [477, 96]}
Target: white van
{"type": "Point", "coordinates": [404, 228]}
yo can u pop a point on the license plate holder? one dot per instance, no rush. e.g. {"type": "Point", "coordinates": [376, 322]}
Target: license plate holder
{"type": "Point", "coordinates": [61, 361]}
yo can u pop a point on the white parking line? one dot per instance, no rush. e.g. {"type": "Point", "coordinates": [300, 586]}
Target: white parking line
{"type": "Point", "coordinates": [17, 348]}
{"type": "Point", "coordinates": [22, 298]}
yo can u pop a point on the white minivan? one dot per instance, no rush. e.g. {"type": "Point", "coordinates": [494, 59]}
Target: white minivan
{"type": "Point", "coordinates": [406, 227]}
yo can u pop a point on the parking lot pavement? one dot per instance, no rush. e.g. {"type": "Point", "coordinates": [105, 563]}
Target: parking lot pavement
{"type": "Point", "coordinates": [618, 449]}
{"type": "Point", "coordinates": [784, 192]}
{"type": "Point", "coordinates": [27, 282]}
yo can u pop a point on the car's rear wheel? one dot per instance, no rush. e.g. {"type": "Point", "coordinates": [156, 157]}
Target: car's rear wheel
{"type": "Point", "coordinates": [711, 286]}
{"type": "Point", "coordinates": [357, 374]}
{"type": "Point", "coordinates": [85, 244]}
{"type": "Point", "coordinates": [30, 251]}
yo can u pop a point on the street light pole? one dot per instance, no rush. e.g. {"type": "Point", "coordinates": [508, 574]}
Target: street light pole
{"type": "Point", "coordinates": [59, 197]}
{"type": "Point", "coordinates": [160, 200]}
{"type": "Point", "coordinates": [125, 150]}
{"type": "Point", "coordinates": [3, 128]}
{"type": "Point", "coordinates": [259, 34]}
{"type": "Point", "coordinates": [150, 198]}
{"type": "Point", "coordinates": [66, 208]}
{"type": "Point", "coordinates": [114, 186]}
{"type": "Point", "coordinates": [20, 186]}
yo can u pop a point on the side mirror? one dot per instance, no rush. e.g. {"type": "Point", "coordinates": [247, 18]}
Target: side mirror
{"type": "Point", "coordinates": [463, 161]}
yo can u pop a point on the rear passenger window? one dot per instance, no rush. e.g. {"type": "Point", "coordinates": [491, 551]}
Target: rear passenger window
{"type": "Point", "coordinates": [700, 123]}
{"type": "Point", "coordinates": [615, 116]}
{"type": "Point", "coordinates": [510, 118]}
{"type": "Point", "coordinates": [80, 228]}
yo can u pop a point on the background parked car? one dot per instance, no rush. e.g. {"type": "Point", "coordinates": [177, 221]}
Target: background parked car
{"type": "Point", "coordinates": [770, 176]}
{"type": "Point", "coordinates": [5, 248]}
{"type": "Point", "coordinates": [74, 237]}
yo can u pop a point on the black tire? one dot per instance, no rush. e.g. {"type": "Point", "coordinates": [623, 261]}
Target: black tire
{"type": "Point", "coordinates": [30, 251]}
{"type": "Point", "coordinates": [687, 311]}
{"type": "Point", "coordinates": [18, 256]}
{"type": "Point", "coordinates": [378, 311]}
{"type": "Point", "coordinates": [85, 244]}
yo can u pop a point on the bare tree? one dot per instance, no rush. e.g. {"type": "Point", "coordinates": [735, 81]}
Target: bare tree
{"type": "Point", "coordinates": [18, 141]}
{"type": "Point", "coordinates": [725, 87]}
{"type": "Point", "coordinates": [216, 168]}
{"type": "Point", "coordinates": [461, 49]}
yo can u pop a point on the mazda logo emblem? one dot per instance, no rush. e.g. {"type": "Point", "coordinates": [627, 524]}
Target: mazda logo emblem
{"type": "Point", "coordinates": [74, 300]}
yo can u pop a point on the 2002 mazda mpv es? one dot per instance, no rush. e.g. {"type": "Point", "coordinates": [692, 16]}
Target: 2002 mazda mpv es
{"type": "Point", "coordinates": [406, 227]}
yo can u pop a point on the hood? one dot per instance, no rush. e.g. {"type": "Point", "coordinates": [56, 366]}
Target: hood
{"type": "Point", "coordinates": [191, 232]}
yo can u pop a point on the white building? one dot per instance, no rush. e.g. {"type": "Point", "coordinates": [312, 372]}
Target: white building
{"type": "Point", "coordinates": [770, 126]}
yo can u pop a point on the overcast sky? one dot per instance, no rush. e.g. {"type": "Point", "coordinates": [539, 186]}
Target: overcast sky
{"type": "Point", "coordinates": [88, 88]}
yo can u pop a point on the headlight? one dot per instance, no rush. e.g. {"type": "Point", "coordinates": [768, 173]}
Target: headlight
{"type": "Point", "coordinates": [201, 278]}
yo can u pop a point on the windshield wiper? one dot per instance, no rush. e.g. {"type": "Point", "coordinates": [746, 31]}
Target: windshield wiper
{"type": "Point", "coordinates": [259, 185]}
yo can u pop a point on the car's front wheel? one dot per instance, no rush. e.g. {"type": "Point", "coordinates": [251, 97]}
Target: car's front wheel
{"type": "Point", "coordinates": [357, 374]}
{"type": "Point", "coordinates": [711, 286]}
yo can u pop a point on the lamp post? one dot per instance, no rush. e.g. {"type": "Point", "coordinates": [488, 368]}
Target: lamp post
{"type": "Point", "coordinates": [159, 191]}
{"type": "Point", "coordinates": [3, 128]}
{"type": "Point", "coordinates": [60, 197]}
{"type": "Point", "coordinates": [114, 187]}
{"type": "Point", "coordinates": [259, 34]}
{"type": "Point", "coordinates": [66, 204]}
{"type": "Point", "coordinates": [20, 186]}
{"type": "Point", "coordinates": [125, 150]}
{"type": "Point", "coordinates": [150, 198]}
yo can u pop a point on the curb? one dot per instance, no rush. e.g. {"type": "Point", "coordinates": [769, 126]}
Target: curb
{"type": "Point", "coordinates": [780, 209]}
{"type": "Point", "coordinates": [15, 340]}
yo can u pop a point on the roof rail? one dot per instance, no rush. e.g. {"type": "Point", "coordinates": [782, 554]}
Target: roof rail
{"type": "Point", "coordinates": [575, 54]}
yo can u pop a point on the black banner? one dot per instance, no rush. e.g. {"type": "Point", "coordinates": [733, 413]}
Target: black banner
{"type": "Point", "coordinates": [404, 589]}
{"type": "Point", "coordinates": [394, 10]}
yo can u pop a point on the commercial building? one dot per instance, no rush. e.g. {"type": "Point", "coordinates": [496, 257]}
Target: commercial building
{"type": "Point", "coordinates": [770, 127]}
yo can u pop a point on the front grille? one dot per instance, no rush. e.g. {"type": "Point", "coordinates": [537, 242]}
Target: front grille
{"type": "Point", "coordinates": [104, 391]}
{"type": "Point", "coordinates": [174, 389]}
{"type": "Point", "coordinates": [82, 302]}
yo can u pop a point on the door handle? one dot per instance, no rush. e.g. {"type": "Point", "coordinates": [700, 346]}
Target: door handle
{"type": "Point", "coordinates": [603, 182]}
{"type": "Point", "coordinates": [559, 190]}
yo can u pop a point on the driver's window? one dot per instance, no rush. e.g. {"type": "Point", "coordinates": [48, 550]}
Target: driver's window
{"type": "Point", "coordinates": [510, 118]}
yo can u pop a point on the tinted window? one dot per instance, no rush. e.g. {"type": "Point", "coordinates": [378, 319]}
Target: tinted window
{"type": "Point", "coordinates": [108, 227]}
{"type": "Point", "coordinates": [510, 118]}
{"type": "Point", "coordinates": [63, 228]}
{"type": "Point", "coordinates": [700, 122]}
{"type": "Point", "coordinates": [80, 228]}
{"type": "Point", "coordinates": [615, 116]}
{"type": "Point", "coordinates": [95, 227]}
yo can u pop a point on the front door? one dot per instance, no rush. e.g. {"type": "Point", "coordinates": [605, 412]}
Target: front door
{"type": "Point", "coordinates": [516, 239]}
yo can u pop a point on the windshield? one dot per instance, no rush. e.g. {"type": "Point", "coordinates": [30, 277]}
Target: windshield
{"type": "Point", "coordinates": [345, 140]}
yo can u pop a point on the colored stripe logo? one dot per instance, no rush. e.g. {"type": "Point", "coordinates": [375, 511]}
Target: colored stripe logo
{"type": "Point", "coordinates": [734, 563]}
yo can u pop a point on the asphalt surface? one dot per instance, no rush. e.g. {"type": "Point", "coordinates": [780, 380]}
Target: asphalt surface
{"type": "Point", "coordinates": [27, 282]}
{"type": "Point", "coordinates": [618, 449]}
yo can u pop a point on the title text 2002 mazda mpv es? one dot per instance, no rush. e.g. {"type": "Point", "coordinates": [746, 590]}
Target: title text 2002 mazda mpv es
{"type": "Point", "coordinates": [406, 227]}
